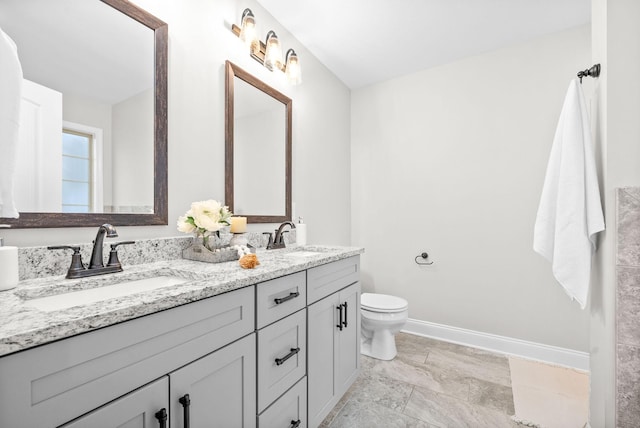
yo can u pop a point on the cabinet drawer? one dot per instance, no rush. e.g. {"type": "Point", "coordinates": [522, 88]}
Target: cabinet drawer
{"type": "Point", "coordinates": [280, 297]}
{"type": "Point", "coordinates": [52, 384]}
{"type": "Point", "coordinates": [327, 279]}
{"type": "Point", "coordinates": [288, 409]}
{"type": "Point", "coordinates": [280, 366]}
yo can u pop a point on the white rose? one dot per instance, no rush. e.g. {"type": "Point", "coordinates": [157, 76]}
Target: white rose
{"type": "Point", "coordinates": [184, 226]}
{"type": "Point", "coordinates": [206, 215]}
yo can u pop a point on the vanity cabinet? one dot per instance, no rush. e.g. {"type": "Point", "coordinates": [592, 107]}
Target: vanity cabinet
{"type": "Point", "coordinates": [333, 335]}
{"type": "Point", "coordinates": [280, 353]}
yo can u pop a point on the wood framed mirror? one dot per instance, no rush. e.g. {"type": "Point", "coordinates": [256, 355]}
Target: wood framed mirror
{"type": "Point", "coordinates": [257, 148]}
{"type": "Point", "coordinates": [104, 29]}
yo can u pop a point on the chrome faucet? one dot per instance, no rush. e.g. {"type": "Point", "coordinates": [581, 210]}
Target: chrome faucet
{"type": "Point", "coordinates": [278, 239]}
{"type": "Point", "coordinates": [96, 266]}
{"type": "Point", "coordinates": [97, 260]}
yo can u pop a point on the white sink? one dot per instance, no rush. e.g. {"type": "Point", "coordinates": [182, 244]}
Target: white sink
{"type": "Point", "coordinates": [97, 294]}
{"type": "Point", "coordinates": [303, 254]}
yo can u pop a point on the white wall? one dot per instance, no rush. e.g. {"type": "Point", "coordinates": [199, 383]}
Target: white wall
{"type": "Point", "coordinates": [200, 40]}
{"type": "Point", "coordinates": [616, 43]}
{"type": "Point", "coordinates": [133, 151]}
{"type": "Point", "coordinates": [451, 161]}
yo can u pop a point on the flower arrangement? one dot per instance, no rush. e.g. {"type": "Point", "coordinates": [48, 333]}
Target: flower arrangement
{"type": "Point", "coordinates": [205, 218]}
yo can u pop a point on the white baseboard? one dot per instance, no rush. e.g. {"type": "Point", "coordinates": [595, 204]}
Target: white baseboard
{"type": "Point", "coordinates": [501, 344]}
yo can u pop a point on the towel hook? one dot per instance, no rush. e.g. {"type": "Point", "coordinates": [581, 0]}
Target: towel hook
{"type": "Point", "coordinates": [424, 261]}
{"type": "Point", "coordinates": [594, 71]}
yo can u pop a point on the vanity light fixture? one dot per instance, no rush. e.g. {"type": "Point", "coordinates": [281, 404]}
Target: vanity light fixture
{"type": "Point", "coordinates": [248, 33]}
{"type": "Point", "coordinates": [292, 68]}
{"type": "Point", "coordinates": [269, 53]}
{"type": "Point", "coordinates": [273, 53]}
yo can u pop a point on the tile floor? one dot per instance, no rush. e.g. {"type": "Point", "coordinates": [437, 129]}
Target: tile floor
{"type": "Point", "coordinates": [432, 383]}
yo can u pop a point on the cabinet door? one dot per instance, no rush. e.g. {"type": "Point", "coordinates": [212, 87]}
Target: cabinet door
{"type": "Point", "coordinates": [322, 324]}
{"type": "Point", "coordinates": [334, 350]}
{"type": "Point", "coordinates": [221, 388]}
{"type": "Point", "coordinates": [348, 347]}
{"type": "Point", "coordinates": [135, 410]}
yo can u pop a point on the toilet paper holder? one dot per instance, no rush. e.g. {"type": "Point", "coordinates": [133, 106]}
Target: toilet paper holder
{"type": "Point", "coordinates": [424, 257]}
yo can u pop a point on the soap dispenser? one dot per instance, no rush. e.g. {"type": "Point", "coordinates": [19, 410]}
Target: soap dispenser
{"type": "Point", "coordinates": [8, 266]}
{"type": "Point", "coordinates": [301, 232]}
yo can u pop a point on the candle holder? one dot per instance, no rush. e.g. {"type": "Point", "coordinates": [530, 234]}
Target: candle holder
{"type": "Point", "coordinates": [238, 239]}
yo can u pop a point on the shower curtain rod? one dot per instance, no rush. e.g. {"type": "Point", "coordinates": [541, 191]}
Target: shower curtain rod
{"type": "Point", "coordinates": [593, 72]}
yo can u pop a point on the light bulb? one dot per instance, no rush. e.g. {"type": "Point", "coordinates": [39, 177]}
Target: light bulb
{"type": "Point", "coordinates": [273, 54]}
{"type": "Point", "coordinates": [292, 69]}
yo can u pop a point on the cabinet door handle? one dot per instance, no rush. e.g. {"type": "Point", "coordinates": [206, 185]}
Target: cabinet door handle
{"type": "Point", "coordinates": [186, 402]}
{"type": "Point", "coordinates": [345, 314]}
{"type": "Point", "coordinates": [284, 299]}
{"type": "Point", "coordinates": [280, 361]}
{"type": "Point", "coordinates": [295, 424]}
{"type": "Point", "coordinates": [339, 307]}
{"type": "Point", "coordinates": [161, 416]}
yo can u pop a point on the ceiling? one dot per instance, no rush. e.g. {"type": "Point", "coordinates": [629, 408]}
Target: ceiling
{"type": "Point", "coordinates": [368, 41]}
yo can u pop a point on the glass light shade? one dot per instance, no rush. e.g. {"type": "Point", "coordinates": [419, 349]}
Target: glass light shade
{"type": "Point", "coordinates": [293, 70]}
{"type": "Point", "coordinates": [248, 32]}
{"type": "Point", "coordinates": [273, 54]}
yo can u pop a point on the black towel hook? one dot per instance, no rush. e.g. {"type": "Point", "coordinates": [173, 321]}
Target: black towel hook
{"type": "Point", "coordinates": [424, 261]}
{"type": "Point", "coordinates": [594, 71]}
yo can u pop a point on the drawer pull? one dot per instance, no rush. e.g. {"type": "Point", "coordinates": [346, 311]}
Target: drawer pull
{"type": "Point", "coordinates": [186, 402]}
{"type": "Point", "coordinates": [284, 299]}
{"type": "Point", "coordinates": [295, 424]}
{"type": "Point", "coordinates": [345, 314]}
{"type": "Point", "coordinates": [280, 361]}
{"type": "Point", "coordinates": [161, 416]}
{"type": "Point", "coordinates": [339, 307]}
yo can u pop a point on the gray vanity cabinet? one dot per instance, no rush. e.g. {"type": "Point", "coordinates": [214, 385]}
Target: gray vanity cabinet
{"type": "Point", "coordinates": [333, 336]}
{"type": "Point", "coordinates": [277, 354]}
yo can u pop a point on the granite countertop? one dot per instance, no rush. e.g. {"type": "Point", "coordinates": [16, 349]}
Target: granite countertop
{"type": "Point", "coordinates": [23, 326]}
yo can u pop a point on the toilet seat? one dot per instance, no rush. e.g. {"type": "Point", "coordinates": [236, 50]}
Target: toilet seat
{"type": "Point", "coordinates": [382, 303]}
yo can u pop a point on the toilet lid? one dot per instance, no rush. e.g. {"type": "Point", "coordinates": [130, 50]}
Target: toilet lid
{"type": "Point", "coordinates": [382, 303]}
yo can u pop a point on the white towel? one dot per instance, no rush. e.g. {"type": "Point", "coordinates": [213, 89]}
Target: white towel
{"type": "Point", "coordinates": [570, 211]}
{"type": "Point", "coordinates": [10, 98]}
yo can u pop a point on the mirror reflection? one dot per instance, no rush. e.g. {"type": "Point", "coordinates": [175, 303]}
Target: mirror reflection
{"type": "Point", "coordinates": [259, 137]}
{"type": "Point", "coordinates": [87, 115]}
{"type": "Point", "coordinates": [258, 149]}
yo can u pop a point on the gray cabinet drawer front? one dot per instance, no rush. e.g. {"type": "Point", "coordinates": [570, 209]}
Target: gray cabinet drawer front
{"type": "Point", "coordinates": [289, 408]}
{"type": "Point", "coordinates": [96, 367]}
{"type": "Point", "coordinates": [276, 342]}
{"type": "Point", "coordinates": [269, 310]}
{"type": "Point", "coordinates": [327, 279]}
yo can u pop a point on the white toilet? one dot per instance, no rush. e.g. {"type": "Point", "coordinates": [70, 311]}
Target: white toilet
{"type": "Point", "coordinates": [382, 317]}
